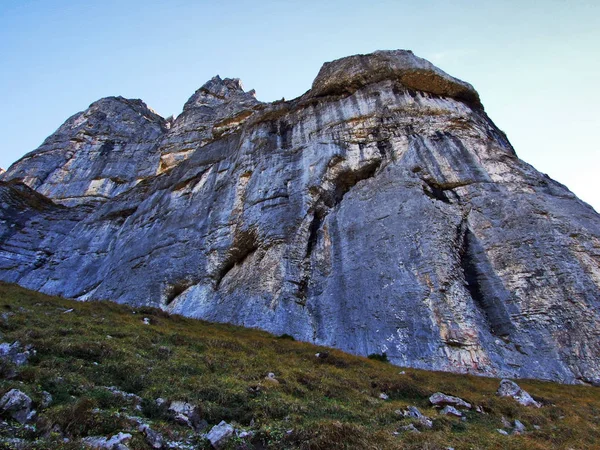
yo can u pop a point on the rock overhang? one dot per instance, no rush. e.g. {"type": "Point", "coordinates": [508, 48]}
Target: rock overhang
{"type": "Point", "coordinates": [346, 75]}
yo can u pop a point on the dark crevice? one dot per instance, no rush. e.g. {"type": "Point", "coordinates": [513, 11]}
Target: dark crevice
{"type": "Point", "coordinates": [302, 291]}
{"type": "Point", "coordinates": [245, 244]}
{"type": "Point", "coordinates": [120, 216]}
{"type": "Point", "coordinates": [175, 290]}
{"type": "Point", "coordinates": [347, 180]}
{"type": "Point", "coordinates": [189, 183]}
{"type": "Point", "coordinates": [313, 238]}
{"type": "Point", "coordinates": [476, 281]}
{"type": "Point", "coordinates": [314, 227]}
{"type": "Point", "coordinates": [106, 148]}
{"type": "Point", "coordinates": [383, 147]}
{"type": "Point", "coordinates": [435, 193]}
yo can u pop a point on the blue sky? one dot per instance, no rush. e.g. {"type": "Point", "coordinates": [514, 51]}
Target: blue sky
{"type": "Point", "coordinates": [536, 64]}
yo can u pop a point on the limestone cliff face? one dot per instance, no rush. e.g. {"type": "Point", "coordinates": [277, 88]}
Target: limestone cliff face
{"type": "Point", "coordinates": [96, 154]}
{"type": "Point", "coordinates": [382, 211]}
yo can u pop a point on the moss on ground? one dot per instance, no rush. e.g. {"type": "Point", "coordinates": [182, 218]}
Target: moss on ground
{"type": "Point", "coordinates": [319, 403]}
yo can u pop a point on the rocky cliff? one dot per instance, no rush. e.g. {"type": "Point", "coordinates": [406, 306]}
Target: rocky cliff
{"type": "Point", "coordinates": [381, 211]}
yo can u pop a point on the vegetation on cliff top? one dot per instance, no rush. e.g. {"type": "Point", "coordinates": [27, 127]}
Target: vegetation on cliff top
{"type": "Point", "coordinates": [328, 402]}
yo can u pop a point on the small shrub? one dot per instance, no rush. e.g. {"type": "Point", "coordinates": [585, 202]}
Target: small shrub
{"type": "Point", "coordinates": [79, 419]}
{"type": "Point", "coordinates": [287, 337]}
{"type": "Point", "coordinates": [376, 357]}
{"type": "Point", "coordinates": [153, 410]}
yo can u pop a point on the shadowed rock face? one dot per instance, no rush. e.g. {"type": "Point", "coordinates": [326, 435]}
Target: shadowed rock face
{"type": "Point", "coordinates": [96, 154]}
{"type": "Point", "coordinates": [382, 211]}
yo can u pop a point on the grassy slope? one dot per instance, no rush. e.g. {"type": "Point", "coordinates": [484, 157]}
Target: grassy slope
{"type": "Point", "coordinates": [327, 403]}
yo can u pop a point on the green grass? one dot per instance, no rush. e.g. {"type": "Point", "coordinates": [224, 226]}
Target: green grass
{"type": "Point", "coordinates": [319, 403]}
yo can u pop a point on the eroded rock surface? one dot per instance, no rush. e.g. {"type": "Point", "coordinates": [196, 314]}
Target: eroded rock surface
{"type": "Point", "coordinates": [380, 212]}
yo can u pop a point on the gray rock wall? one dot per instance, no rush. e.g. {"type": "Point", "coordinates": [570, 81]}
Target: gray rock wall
{"type": "Point", "coordinates": [382, 211]}
{"type": "Point", "coordinates": [96, 154]}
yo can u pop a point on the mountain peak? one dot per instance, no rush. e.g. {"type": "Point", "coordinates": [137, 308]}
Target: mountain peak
{"type": "Point", "coordinates": [380, 213]}
{"type": "Point", "coordinates": [217, 91]}
{"type": "Point", "coordinates": [352, 72]}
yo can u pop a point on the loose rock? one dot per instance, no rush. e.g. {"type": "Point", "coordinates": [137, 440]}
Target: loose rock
{"type": "Point", "coordinates": [450, 411]}
{"type": "Point", "coordinates": [270, 378]}
{"type": "Point", "coordinates": [220, 434]}
{"type": "Point", "coordinates": [186, 414]}
{"type": "Point", "coordinates": [439, 399]}
{"type": "Point", "coordinates": [414, 413]}
{"type": "Point", "coordinates": [116, 442]}
{"type": "Point", "coordinates": [518, 427]}
{"type": "Point", "coordinates": [410, 428]}
{"type": "Point", "coordinates": [153, 438]}
{"type": "Point", "coordinates": [509, 388]}
{"type": "Point", "coordinates": [14, 353]}
{"type": "Point", "coordinates": [17, 405]}
{"type": "Point", "coordinates": [46, 400]}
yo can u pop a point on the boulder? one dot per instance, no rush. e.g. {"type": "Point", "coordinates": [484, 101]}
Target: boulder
{"type": "Point", "coordinates": [414, 413]}
{"type": "Point", "coordinates": [518, 427]}
{"type": "Point", "coordinates": [439, 400]}
{"type": "Point", "coordinates": [270, 378]}
{"type": "Point", "coordinates": [14, 353]}
{"type": "Point", "coordinates": [220, 434]}
{"type": "Point", "coordinates": [17, 405]}
{"type": "Point", "coordinates": [186, 414]}
{"type": "Point", "coordinates": [153, 438]}
{"type": "Point", "coordinates": [509, 388]}
{"type": "Point", "coordinates": [451, 411]}
{"type": "Point", "coordinates": [410, 428]}
{"type": "Point", "coordinates": [116, 442]}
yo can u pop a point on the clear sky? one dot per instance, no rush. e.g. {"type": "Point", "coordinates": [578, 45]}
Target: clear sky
{"type": "Point", "coordinates": [536, 64]}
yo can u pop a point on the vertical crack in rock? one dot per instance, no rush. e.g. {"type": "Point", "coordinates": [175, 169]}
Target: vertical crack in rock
{"type": "Point", "coordinates": [326, 201]}
{"type": "Point", "coordinates": [479, 280]}
{"type": "Point", "coordinates": [306, 266]}
{"type": "Point", "coordinates": [315, 226]}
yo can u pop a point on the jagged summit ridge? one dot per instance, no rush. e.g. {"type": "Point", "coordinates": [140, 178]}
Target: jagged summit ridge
{"type": "Point", "coordinates": [382, 211]}
{"type": "Point", "coordinates": [217, 107]}
{"type": "Point", "coordinates": [217, 91]}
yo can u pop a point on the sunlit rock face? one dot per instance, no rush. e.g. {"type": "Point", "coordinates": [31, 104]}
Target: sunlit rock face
{"type": "Point", "coordinates": [380, 212]}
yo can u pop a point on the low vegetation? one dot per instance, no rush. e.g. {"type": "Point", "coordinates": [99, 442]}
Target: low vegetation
{"type": "Point", "coordinates": [330, 401]}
